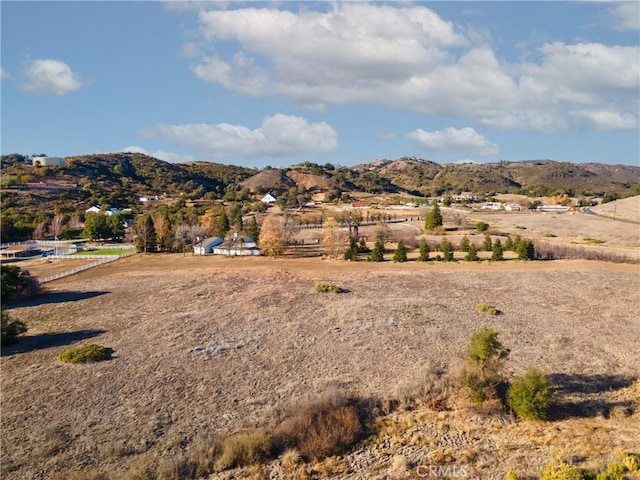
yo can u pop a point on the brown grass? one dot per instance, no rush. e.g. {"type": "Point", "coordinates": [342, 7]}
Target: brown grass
{"type": "Point", "coordinates": [220, 343]}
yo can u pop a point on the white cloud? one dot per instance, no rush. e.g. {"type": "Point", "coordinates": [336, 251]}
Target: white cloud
{"type": "Point", "coordinates": [160, 154]}
{"type": "Point", "coordinates": [279, 136]}
{"type": "Point", "coordinates": [626, 15]}
{"type": "Point", "coordinates": [463, 141]}
{"type": "Point", "coordinates": [3, 74]}
{"type": "Point", "coordinates": [50, 77]}
{"type": "Point", "coordinates": [406, 56]}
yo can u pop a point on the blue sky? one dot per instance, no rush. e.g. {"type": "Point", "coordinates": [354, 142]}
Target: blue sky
{"type": "Point", "coordinates": [258, 84]}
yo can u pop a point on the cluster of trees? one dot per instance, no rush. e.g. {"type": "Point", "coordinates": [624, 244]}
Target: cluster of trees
{"type": "Point", "coordinates": [15, 284]}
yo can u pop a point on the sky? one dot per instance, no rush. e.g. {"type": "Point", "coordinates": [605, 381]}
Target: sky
{"type": "Point", "coordinates": [279, 83]}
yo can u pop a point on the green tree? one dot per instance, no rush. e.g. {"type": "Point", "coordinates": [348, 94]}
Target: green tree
{"type": "Point", "coordinates": [254, 229]}
{"type": "Point", "coordinates": [508, 244]}
{"type": "Point", "coordinates": [497, 251]}
{"type": "Point", "coordinates": [400, 254]}
{"type": "Point", "coordinates": [464, 244]}
{"type": "Point", "coordinates": [362, 246]}
{"type": "Point", "coordinates": [145, 234]}
{"type": "Point", "coordinates": [377, 254]}
{"type": "Point", "coordinates": [423, 251]}
{"type": "Point", "coordinates": [447, 250]}
{"type": "Point", "coordinates": [351, 253]}
{"type": "Point", "coordinates": [10, 328]}
{"type": "Point", "coordinates": [223, 223]}
{"type": "Point", "coordinates": [472, 254]}
{"type": "Point", "coordinates": [433, 219]}
{"type": "Point", "coordinates": [482, 227]}
{"type": "Point", "coordinates": [96, 226]}
{"type": "Point", "coordinates": [530, 395]}
{"type": "Point", "coordinates": [15, 282]}
{"type": "Point", "coordinates": [487, 245]}
{"type": "Point", "coordinates": [486, 357]}
{"type": "Point", "coordinates": [525, 250]}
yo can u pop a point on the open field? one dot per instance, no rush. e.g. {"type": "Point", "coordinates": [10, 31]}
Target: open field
{"type": "Point", "coordinates": [221, 343]}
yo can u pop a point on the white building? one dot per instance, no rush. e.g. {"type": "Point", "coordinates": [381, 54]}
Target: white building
{"type": "Point", "coordinates": [268, 198]}
{"type": "Point", "coordinates": [48, 162]}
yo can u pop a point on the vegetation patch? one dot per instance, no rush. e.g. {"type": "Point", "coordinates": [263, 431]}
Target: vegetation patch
{"type": "Point", "coordinates": [328, 288]}
{"type": "Point", "coordinates": [85, 354]}
{"type": "Point", "coordinates": [594, 241]}
{"type": "Point", "coordinates": [530, 395]}
{"type": "Point", "coordinates": [245, 448]}
{"type": "Point", "coordinates": [488, 309]}
{"type": "Point", "coordinates": [11, 328]}
{"type": "Point", "coordinates": [104, 251]}
{"type": "Point", "coordinates": [484, 366]}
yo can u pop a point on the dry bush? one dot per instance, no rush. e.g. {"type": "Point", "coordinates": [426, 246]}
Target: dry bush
{"type": "Point", "coordinates": [430, 386]}
{"type": "Point", "coordinates": [244, 448]}
{"type": "Point", "coordinates": [409, 238]}
{"type": "Point", "coordinates": [203, 452]}
{"type": "Point", "coordinates": [290, 460]}
{"type": "Point", "coordinates": [547, 251]}
{"type": "Point", "coordinates": [321, 427]}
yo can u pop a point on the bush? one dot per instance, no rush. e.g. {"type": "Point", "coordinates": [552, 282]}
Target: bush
{"type": "Point", "coordinates": [86, 354]}
{"type": "Point", "coordinates": [525, 250]}
{"type": "Point", "coordinates": [485, 361]}
{"type": "Point", "coordinates": [17, 283]}
{"type": "Point", "coordinates": [245, 448]}
{"type": "Point", "coordinates": [564, 471]}
{"type": "Point", "coordinates": [530, 395]}
{"type": "Point", "coordinates": [323, 427]}
{"type": "Point", "coordinates": [488, 309]}
{"type": "Point", "coordinates": [482, 227]}
{"type": "Point", "coordinates": [10, 328]}
{"type": "Point", "coordinates": [328, 288]}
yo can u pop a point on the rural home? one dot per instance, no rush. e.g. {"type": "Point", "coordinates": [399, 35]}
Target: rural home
{"type": "Point", "coordinates": [238, 246]}
{"type": "Point", "coordinates": [16, 251]}
{"type": "Point", "coordinates": [153, 198]}
{"type": "Point", "coordinates": [268, 198]}
{"type": "Point", "coordinates": [361, 204]}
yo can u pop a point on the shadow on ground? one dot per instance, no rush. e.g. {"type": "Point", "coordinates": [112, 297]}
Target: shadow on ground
{"type": "Point", "coordinates": [58, 297]}
{"type": "Point", "coordinates": [41, 341]}
{"type": "Point", "coordinates": [584, 396]}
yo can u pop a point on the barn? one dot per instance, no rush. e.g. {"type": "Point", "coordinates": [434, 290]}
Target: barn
{"type": "Point", "coordinates": [207, 245]}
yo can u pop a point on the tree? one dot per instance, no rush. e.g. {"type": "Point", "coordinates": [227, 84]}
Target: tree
{"type": "Point", "coordinates": [400, 254]}
{"type": "Point", "coordinates": [487, 245]}
{"type": "Point", "coordinates": [333, 239]}
{"type": "Point", "coordinates": [55, 228]}
{"type": "Point", "coordinates": [272, 237]}
{"type": "Point", "coordinates": [96, 227]}
{"type": "Point", "coordinates": [377, 254]}
{"type": "Point", "coordinates": [223, 223]}
{"type": "Point", "coordinates": [16, 283]}
{"type": "Point", "coordinates": [484, 365]}
{"type": "Point", "coordinates": [433, 219]}
{"type": "Point", "coordinates": [115, 227]}
{"type": "Point", "coordinates": [472, 254]}
{"type": "Point", "coordinates": [497, 251]}
{"type": "Point", "coordinates": [447, 250]}
{"type": "Point", "coordinates": [10, 328]}
{"type": "Point", "coordinates": [525, 250]}
{"type": "Point", "coordinates": [464, 244]}
{"type": "Point", "coordinates": [424, 251]}
{"type": "Point", "coordinates": [40, 231]}
{"type": "Point", "coordinates": [254, 229]}
{"type": "Point", "coordinates": [351, 253]}
{"type": "Point", "coordinates": [164, 233]}
{"type": "Point", "coordinates": [145, 234]}
{"type": "Point", "coordinates": [210, 222]}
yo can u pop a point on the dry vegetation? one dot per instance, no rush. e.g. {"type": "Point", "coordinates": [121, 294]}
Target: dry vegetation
{"type": "Point", "coordinates": [221, 345]}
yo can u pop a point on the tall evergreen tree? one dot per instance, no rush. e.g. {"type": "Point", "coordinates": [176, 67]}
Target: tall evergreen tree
{"type": "Point", "coordinates": [400, 254]}
{"type": "Point", "coordinates": [424, 251]}
{"type": "Point", "coordinates": [145, 234]}
{"type": "Point", "coordinates": [464, 244]}
{"type": "Point", "coordinates": [377, 254]}
{"type": "Point", "coordinates": [472, 253]}
{"type": "Point", "coordinates": [447, 250]}
{"type": "Point", "coordinates": [254, 230]}
{"type": "Point", "coordinates": [433, 219]}
{"type": "Point", "coordinates": [498, 252]}
{"type": "Point", "coordinates": [223, 223]}
{"type": "Point", "coordinates": [487, 245]}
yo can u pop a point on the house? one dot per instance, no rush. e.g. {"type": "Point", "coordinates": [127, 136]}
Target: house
{"type": "Point", "coordinates": [492, 206]}
{"type": "Point", "coordinates": [207, 245]}
{"type": "Point", "coordinates": [361, 204]}
{"type": "Point", "coordinates": [153, 198]}
{"type": "Point", "coordinates": [15, 251]}
{"type": "Point", "coordinates": [217, 246]}
{"type": "Point", "coordinates": [268, 199]}
{"type": "Point", "coordinates": [94, 209]}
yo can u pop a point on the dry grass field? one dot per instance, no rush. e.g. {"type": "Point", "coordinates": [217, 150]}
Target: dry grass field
{"type": "Point", "coordinates": [208, 345]}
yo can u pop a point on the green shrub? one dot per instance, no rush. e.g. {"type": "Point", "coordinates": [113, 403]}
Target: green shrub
{"type": "Point", "coordinates": [630, 461]}
{"type": "Point", "coordinates": [328, 288]}
{"type": "Point", "coordinates": [17, 284]}
{"type": "Point", "coordinates": [245, 448]}
{"type": "Point", "coordinates": [86, 354]}
{"type": "Point", "coordinates": [488, 309]}
{"type": "Point", "coordinates": [525, 249]}
{"type": "Point", "coordinates": [564, 471]}
{"type": "Point", "coordinates": [10, 328]}
{"type": "Point", "coordinates": [485, 361]}
{"type": "Point", "coordinates": [482, 227]}
{"type": "Point", "coordinates": [530, 395]}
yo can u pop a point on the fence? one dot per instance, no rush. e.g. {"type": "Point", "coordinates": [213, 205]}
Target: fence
{"type": "Point", "coordinates": [102, 260]}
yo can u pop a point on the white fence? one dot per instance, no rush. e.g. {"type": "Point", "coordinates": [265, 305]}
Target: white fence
{"type": "Point", "coordinates": [102, 260]}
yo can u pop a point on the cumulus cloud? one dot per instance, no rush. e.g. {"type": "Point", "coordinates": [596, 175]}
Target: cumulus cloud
{"type": "Point", "coordinates": [50, 77]}
{"type": "Point", "coordinates": [278, 136]}
{"type": "Point", "coordinates": [407, 56]}
{"type": "Point", "coordinates": [160, 154]}
{"type": "Point", "coordinates": [464, 141]}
